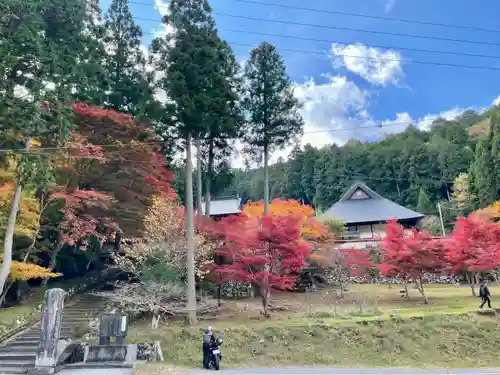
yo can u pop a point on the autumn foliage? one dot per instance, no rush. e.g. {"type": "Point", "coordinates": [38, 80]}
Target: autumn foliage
{"type": "Point", "coordinates": [28, 271]}
{"type": "Point", "coordinates": [410, 256]}
{"type": "Point", "coordinates": [490, 213]}
{"type": "Point", "coordinates": [78, 221]}
{"type": "Point", "coordinates": [474, 246]}
{"type": "Point", "coordinates": [266, 251]}
{"type": "Point", "coordinates": [309, 226]}
{"type": "Point", "coordinates": [121, 158]}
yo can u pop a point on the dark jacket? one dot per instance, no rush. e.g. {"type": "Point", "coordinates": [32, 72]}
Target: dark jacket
{"type": "Point", "coordinates": [208, 338]}
{"type": "Point", "coordinates": [484, 292]}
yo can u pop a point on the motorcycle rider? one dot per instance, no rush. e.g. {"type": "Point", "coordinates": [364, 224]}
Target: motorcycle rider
{"type": "Point", "coordinates": [208, 341]}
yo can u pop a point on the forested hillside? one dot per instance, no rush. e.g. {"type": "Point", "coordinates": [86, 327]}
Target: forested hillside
{"type": "Point", "coordinates": [415, 168]}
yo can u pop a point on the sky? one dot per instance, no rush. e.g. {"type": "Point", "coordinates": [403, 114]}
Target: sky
{"type": "Point", "coordinates": [353, 73]}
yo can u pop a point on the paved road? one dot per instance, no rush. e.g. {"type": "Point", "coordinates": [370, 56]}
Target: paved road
{"type": "Point", "coordinates": [341, 371]}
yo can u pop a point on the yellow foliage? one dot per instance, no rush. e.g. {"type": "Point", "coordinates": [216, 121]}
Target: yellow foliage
{"type": "Point", "coordinates": [490, 213]}
{"type": "Point", "coordinates": [310, 227]}
{"type": "Point", "coordinates": [27, 271]}
{"type": "Point", "coordinates": [165, 238]}
{"type": "Point", "coordinates": [27, 221]}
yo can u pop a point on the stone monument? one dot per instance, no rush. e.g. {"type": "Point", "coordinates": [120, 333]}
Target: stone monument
{"type": "Point", "coordinates": [49, 346]}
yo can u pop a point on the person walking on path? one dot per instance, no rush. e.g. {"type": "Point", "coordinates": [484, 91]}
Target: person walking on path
{"type": "Point", "coordinates": [484, 293]}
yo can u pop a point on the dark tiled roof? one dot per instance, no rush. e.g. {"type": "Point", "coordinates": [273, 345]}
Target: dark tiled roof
{"type": "Point", "coordinates": [373, 209]}
{"type": "Point", "coordinates": [224, 206]}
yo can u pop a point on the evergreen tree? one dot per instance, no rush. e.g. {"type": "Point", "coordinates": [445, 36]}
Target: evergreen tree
{"type": "Point", "coordinates": [495, 151]}
{"type": "Point", "coordinates": [293, 174]}
{"type": "Point", "coordinates": [88, 80]}
{"type": "Point", "coordinates": [190, 62]}
{"type": "Point", "coordinates": [40, 51]}
{"type": "Point", "coordinates": [223, 119]}
{"type": "Point", "coordinates": [274, 119]}
{"type": "Point", "coordinates": [481, 174]}
{"type": "Point", "coordinates": [127, 89]}
{"type": "Point", "coordinates": [424, 204]}
{"type": "Point", "coordinates": [307, 173]}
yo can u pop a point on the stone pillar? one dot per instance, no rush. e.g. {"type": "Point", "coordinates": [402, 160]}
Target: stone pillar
{"type": "Point", "coordinates": [113, 325]}
{"type": "Point", "coordinates": [50, 329]}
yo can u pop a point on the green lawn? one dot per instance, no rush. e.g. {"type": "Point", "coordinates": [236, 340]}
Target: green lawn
{"type": "Point", "coordinates": [385, 331]}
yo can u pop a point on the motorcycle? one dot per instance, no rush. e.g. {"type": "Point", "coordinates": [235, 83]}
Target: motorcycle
{"type": "Point", "coordinates": [215, 354]}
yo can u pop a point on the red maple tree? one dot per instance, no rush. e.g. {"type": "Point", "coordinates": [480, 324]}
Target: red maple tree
{"type": "Point", "coordinates": [132, 168]}
{"type": "Point", "coordinates": [473, 246]}
{"type": "Point", "coordinates": [410, 256]}
{"type": "Point", "coordinates": [266, 251]}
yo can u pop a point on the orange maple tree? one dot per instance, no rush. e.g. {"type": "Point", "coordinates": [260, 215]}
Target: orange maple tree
{"type": "Point", "coordinates": [490, 213]}
{"type": "Point", "coordinates": [309, 226]}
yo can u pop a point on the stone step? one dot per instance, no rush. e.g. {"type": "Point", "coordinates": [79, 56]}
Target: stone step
{"type": "Point", "coordinates": [26, 363]}
{"type": "Point", "coordinates": [17, 356]}
{"type": "Point", "coordinates": [24, 340]}
{"type": "Point", "coordinates": [7, 348]}
{"type": "Point", "coordinates": [12, 370]}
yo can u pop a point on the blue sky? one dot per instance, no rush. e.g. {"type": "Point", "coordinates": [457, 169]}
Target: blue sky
{"type": "Point", "coordinates": [340, 92]}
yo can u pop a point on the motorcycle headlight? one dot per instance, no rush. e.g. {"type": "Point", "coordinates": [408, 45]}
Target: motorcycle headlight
{"type": "Point", "coordinates": [219, 341]}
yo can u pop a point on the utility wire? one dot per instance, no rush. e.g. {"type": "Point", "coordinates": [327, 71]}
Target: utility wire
{"type": "Point", "coordinates": [259, 19]}
{"type": "Point", "coordinates": [325, 11]}
{"type": "Point", "coordinates": [283, 22]}
{"type": "Point", "coordinates": [159, 142]}
{"type": "Point", "coordinates": [435, 63]}
{"type": "Point", "coordinates": [357, 176]}
{"type": "Point", "coordinates": [323, 53]}
{"type": "Point", "coordinates": [338, 42]}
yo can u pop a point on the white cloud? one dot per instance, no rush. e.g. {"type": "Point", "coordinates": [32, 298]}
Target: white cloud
{"type": "Point", "coordinates": [496, 101]}
{"type": "Point", "coordinates": [389, 5]}
{"type": "Point", "coordinates": [162, 8]}
{"type": "Point", "coordinates": [372, 64]}
{"type": "Point", "coordinates": [425, 122]}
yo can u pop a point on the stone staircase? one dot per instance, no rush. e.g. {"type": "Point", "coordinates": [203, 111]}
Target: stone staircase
{"type": "Point", "coordinates": [18, 353]}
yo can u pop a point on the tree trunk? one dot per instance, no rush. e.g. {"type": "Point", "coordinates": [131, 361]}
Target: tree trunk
{"type": "Point", "coordinates": [219, 287]}
{"type": "Point", "coordinates": [199, 183]}
{"type": "Point", "coordinates": [406, 289]}
{"type": "Point", "coordinates": [265, 302]}
{"type": "Point", "coordinates": [190, 233]}
{"type": "Point", "coordinates": [53, 262]}
{"type": "Point", "coordinates": [420, 287]}
{"type": "Point", "coordinates": [266, 178]}
{"type": "Point", "coordinates": [9, 231]}
{"type": "Point", "coordinates": [6, 290]}
{"type": "Point", "coordinates": [470, 281]}
{"type": "Point", "coordinates": [208, 182]}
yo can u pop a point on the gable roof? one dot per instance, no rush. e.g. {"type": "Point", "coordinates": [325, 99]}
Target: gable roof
{"type": "Point", "coordinates": [223, 206]}
{"type": "Point", "coordinates": [371, 207]}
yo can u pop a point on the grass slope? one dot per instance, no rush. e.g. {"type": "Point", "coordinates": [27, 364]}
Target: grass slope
{"type": "Point", "coordinates": [436, 341]}
{"type": "Point", "coordinates": [372, 327]}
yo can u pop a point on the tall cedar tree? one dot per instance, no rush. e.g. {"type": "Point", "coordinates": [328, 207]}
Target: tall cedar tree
{"type": "Point", "coordinates": [188, 59]}
{"type": "Point", "coordinates": [495, 151]}
{"type": "Point", "coordinates": [482, 177]}
{"type": "Point", "coordinates": [424, 204]}
{"type": "Point", "coordinates": [40, 52]}
{"type": "Point", "coordinates": [89, 78]}
{"type": "Point", "coordinates": [223, 119]}
{"type": "Point", "coordinates": [128, 88]}
{"type": "Point", "coordinates": [274, 119]}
